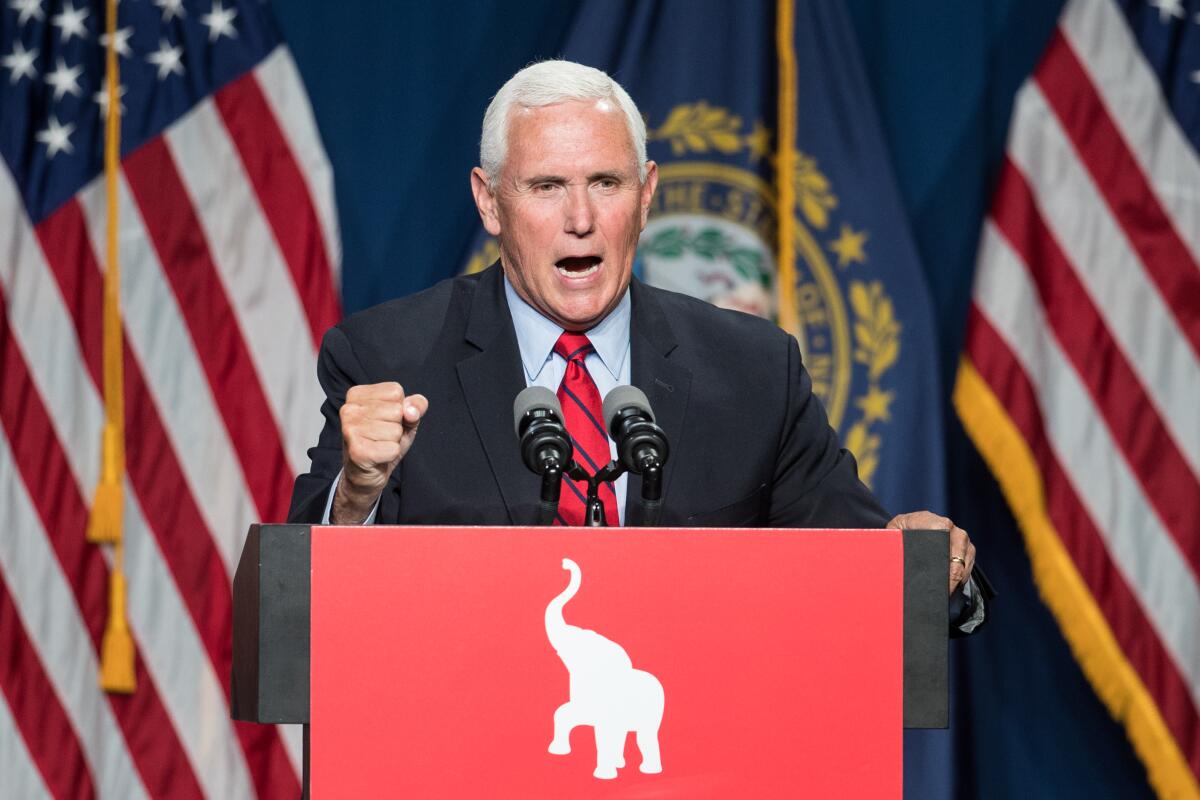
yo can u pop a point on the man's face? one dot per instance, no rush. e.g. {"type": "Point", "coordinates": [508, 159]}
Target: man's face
{"type": "Point", "coordinates": [568, 208]}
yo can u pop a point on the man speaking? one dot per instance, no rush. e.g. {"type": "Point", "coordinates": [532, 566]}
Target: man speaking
{"type": "Point", "coordinates": [418, 416]}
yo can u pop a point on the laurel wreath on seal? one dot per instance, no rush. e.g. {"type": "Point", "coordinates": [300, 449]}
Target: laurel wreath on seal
{"type": "Point", "coordinates": [701, 128]}
{"type": "Point", "coordinates": [877, 346]}
{"type": "Point", "coordinates": [698, 127]}
{"type": "Point", "coordinates": [709, 244]}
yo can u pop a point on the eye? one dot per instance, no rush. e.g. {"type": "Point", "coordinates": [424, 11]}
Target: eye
{"type": "Point", "coordinates": [545, 187]}
{"type": "Point", "coordinates": [608, 183]}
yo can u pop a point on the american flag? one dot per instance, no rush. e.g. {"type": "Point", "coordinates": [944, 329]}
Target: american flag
{"type": "Point", "coordinates": [229, 256]}
{"type": "Point", "coordinates": [1080, 382]}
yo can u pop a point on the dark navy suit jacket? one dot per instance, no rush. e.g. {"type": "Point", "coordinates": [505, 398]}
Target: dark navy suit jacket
{"type": "Point", "coordinates": [750, 443]}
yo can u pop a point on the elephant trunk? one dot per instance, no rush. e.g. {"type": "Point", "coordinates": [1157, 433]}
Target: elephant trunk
{"type": "Point", "coordinates": [556, 626]}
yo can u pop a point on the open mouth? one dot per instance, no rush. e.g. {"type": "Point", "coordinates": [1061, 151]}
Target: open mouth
{"type": "Point", "coordinates": [578, 266]}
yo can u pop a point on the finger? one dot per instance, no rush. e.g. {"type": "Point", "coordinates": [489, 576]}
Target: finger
{"type": "Point", "coordinates": [959, 542]}
{"type": "Point", "coordinates": [958, 573]}
{"type": "Point", "coordinates": [920, 520]}
{"type": "Point", "coordinates": [960, 545]}
{"type": "Point", "coordinates": [369, 455]}
{"type": "Point", "coordinates": [378, 430]}
{"type": "Point", "coordinates": [389, 391]}
{"type": "Point", "coordinates": [415, 407]}
{"type": "Point", "coordinates": [383, 411]}
{"type": "Point", "coordinates": [960, 557]}
{"type": "Point", "coordinates": [369, 408]}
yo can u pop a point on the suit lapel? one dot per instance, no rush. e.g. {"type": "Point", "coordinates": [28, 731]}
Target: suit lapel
{"type": "Point", "coordinates": [666, 383]}
{"type": "Point", "coordinates": [490, 378]}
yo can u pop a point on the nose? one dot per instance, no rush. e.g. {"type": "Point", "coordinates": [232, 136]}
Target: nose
{"type": "Point", "coordinates": [580, 216]}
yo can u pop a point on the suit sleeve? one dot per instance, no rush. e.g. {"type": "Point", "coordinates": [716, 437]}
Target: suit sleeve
{"type": "Point", "coordinates": [817, 486]}
{"type": "Point", "coordinates": [816, 482]}
{"type": "Point", "coordinates": [337, 369]}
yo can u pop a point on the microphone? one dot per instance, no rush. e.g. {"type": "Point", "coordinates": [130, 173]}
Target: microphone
{"type": "Point", "coordinates": [545, 446]}
{"type": "Point", "coordinates": [537, 417]}
{"type": "Point", "coordinates": [641, 444]}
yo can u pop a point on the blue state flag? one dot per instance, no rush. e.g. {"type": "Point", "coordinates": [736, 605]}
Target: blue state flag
{"type": "Point", "coordinates": [706, 77]}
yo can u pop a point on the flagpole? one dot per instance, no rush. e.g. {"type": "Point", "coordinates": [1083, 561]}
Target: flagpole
{"type": "Point", "coordinates": [785, 169]}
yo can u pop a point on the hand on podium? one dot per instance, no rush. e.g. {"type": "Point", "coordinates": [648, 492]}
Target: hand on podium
{"type": "Point", "coordinates": [962, 552]}
{"type": "Point", "coordinates": [379, 424]}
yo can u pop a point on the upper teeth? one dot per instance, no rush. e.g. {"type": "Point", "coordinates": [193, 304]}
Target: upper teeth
{"type": "Point", "coordinates": [576, 273]}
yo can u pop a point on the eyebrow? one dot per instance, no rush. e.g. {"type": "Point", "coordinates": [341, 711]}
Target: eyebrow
{"type": "Point", "coordinates": [545, 179]}
{"type": "Point", "coordinates": [595, 176]}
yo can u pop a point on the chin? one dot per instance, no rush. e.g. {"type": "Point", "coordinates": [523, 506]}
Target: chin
{"type": "Point", "coordinates": [576, 325]}
{"type": "Point", "coordinates": [577, 317]}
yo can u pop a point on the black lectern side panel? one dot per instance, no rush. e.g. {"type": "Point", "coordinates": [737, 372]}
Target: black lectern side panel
{"type": "Point", "coordinates": [271, 591]}
{"type": "Point", "coordinates": [926, 629]}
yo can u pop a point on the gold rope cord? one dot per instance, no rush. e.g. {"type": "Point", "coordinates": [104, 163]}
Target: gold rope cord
{"type": "Point", "coordinates": [105, 525]}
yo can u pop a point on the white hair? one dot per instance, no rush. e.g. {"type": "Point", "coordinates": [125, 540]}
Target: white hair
{"type": "Point", "coordinates": [544, 84]}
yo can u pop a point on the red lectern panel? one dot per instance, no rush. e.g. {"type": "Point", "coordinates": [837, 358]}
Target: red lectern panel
{"type": "Point", "coordinates": [739, 663]}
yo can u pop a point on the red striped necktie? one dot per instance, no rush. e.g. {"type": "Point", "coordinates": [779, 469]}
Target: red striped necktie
{"type": "Point", "coordinates": [582, 415]}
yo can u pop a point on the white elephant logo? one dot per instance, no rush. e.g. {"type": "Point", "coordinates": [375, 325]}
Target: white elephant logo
{"type": "Point", "coordinates": [606, 692]}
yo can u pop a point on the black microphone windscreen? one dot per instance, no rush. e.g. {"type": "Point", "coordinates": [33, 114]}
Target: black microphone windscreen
{"type": "Point", "coordinates": [623, 397]}
{"type": "Point", "coordinates": [529, 399]}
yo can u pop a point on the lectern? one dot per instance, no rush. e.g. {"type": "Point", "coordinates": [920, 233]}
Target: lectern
{"type": "Point", "coordinates": [621, 662]}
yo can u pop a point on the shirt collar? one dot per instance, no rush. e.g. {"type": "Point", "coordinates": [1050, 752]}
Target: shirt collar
{"type": "Point", "coordinates": [536, 335]}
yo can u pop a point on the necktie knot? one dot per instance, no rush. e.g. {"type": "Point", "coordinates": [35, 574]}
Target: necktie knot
{"type": "Point", "coordinates": [573, 346]}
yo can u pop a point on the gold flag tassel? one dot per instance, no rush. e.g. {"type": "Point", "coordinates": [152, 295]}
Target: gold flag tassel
{"type": "Point", "coordinates": [116, 648]}
{"type": "Point", "coordinates": [785, 170]}
{"type": "Point", "coordinates": [105, 524]}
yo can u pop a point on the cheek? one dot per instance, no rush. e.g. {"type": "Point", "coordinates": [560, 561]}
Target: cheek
{"type": "Point", "coordinates": [534, 231]}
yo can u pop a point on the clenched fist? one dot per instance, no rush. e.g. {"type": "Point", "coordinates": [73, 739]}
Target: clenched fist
{"type": "Point", "coordinates": [379, 424]}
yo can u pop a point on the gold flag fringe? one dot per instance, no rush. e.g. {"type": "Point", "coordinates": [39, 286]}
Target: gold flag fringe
{"type": "Point", "coordinates": [1063, 590]}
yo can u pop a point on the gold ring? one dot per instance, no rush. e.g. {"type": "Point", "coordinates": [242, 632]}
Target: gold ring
{"type": "Point", "coordinates": [958, 559]}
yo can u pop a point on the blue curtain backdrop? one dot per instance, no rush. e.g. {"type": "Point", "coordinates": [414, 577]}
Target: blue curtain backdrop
{"type": "Point", "coordinates": [399, 89]}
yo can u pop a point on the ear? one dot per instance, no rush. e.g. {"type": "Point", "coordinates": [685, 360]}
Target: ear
{"type": "Point", "coordinates": [485, 201]}
{"type": "Point", "coordinates": [648, 187]}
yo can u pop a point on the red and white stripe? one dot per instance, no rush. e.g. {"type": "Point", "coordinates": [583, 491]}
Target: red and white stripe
{"type": "Point", "coordinates": [228, 281]}
{"type": "Point", "coordinates": [1085, 325]}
